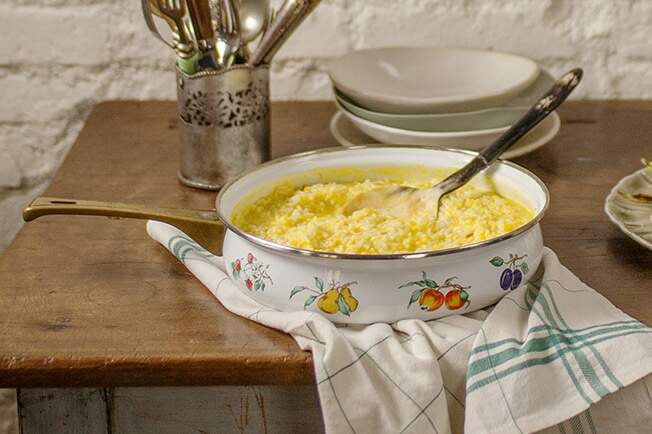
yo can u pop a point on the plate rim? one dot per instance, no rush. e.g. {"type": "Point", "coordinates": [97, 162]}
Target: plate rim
{"type": "Point", "coordinates": [339, 97]}
{"type": "Point", "coordinates": [513, 153]}
{"type": "Point", "coordinates": [421, 134]}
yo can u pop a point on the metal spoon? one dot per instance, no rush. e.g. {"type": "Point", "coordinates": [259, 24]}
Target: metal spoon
{"type": "Point", "coordinates": [403, 201]}
{"type": "Point", "coordinates": [228, 38]}
{"type": "Point", "coordinates": [254, 16]}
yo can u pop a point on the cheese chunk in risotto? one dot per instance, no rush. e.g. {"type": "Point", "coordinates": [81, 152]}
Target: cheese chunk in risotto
{"type": "Point", "coordinates": [311, 218]}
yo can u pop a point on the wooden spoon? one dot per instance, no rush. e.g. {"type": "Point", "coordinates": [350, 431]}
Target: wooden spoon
{"type": "Point", "coordinates": [402, 201]}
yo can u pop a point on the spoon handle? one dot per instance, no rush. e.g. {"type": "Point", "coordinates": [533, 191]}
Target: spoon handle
{"type": "Point", "coordinates": [556, 95]}
{"type": "Point", "coordinates": [200, 16]}
{"type": "Point", "coordinates": [288, 18]}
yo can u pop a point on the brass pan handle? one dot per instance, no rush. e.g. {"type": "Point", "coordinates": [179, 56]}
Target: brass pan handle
{"type": "Point", "coordinates": [203, 226]}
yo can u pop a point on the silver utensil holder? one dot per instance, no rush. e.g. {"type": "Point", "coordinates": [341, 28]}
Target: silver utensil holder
{"type": "Point", "coordinates": [224, 124]}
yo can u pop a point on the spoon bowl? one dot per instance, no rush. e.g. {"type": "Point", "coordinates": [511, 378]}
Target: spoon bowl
{"type": "Point", "coordinates": [254, 16]}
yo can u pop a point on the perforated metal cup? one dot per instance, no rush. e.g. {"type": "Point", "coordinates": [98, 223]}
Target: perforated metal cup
{"type": "Point", "coordinates": [224, 124]}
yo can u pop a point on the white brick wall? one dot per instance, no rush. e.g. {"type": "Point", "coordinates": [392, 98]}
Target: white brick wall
{"type": "Point", "coordinates": [59, 57]}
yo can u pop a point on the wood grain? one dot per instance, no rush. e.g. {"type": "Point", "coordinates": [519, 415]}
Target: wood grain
{"type": "Point", "coordinates": [171, 410]}
{"type": "Point", "coordinates": [217, 410]}
{"type": "Point", "coordinates": [91, 301]}
{"type": "Point", "coordinates": [238, 410]}
{"type": "Point", "coordinates": [70, 411]}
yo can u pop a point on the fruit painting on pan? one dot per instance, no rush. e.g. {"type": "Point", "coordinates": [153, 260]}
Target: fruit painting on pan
{"type": "Point", "coordinates": [331, 298]}
{"type": "Point", "coordinates": [512, 276]}
{"type": "Point", "coordinates": [431, 296]}
{"type": "Point", "coordinates": [252, 272]}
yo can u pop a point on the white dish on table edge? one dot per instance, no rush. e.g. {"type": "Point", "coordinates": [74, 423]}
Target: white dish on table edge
{"type": "Point", "coordinates": [431, 79]}
{"type": "Point", "coordinates": [346, 133]}
{"type": "Point", "coordinates": [632, 218]}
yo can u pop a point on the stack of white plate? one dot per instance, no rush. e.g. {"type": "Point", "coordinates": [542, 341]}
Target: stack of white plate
{"type": "Point", "coordinates": [450, 97]}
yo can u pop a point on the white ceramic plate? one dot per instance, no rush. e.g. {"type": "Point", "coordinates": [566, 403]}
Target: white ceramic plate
{"type": "Point", "coordinates": [442, 122]}
{"type": "Point", "coordinates": [431, 79]}
{"type": "Point", "coordinates": [473, 140]}
{"type": "Point", "coordinates": [632, 218]}
{"type": "Point", "coordinates": [347, 134]}
{"type": "Point", "coordinates": [493, 117]}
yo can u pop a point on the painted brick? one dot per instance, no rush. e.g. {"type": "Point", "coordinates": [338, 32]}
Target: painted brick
{"type": "Point", "coordinates": [66, 35]}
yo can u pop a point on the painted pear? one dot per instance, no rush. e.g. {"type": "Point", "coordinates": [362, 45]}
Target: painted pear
{"type": "Point", "coordinates": [349, 299]}
{"type": "Point", "coordinates": [328, 301]}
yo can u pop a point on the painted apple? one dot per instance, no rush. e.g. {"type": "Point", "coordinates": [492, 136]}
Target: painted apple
{"type": "Point", "coordinates": [431, 299]}
{"type": "Point", "coordinates": [456, 298]}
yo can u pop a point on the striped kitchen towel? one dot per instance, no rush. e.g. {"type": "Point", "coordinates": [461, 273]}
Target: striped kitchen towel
{"type": "Point", "coordinates": [542, 359]}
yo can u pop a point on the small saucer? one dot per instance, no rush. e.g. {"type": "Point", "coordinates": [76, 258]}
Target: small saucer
{"type": "Point", "coordinates": [347, 134]}
{"type": "Point", "coordinates": [633, 218]}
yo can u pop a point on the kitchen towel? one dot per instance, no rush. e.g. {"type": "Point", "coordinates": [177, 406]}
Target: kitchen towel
{"type": "Point", "coordinates": [543, 358]}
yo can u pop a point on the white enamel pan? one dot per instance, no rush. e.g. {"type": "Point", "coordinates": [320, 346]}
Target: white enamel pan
{"type": "Point", "coordinates": [351, 288]}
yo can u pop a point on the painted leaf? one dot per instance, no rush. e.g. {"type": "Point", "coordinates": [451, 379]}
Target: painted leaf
{"type": "Point", "coordinates": [427, 282]}
{"type": "Point", "coordinates": [449, 280]}
{"type": "Point", "coordinates": [497, 261]}
{"type": "Point", "coordinates": [257, 285]}
{"type": "Point", "coordinates": [430, 283]}
{"type": "Point", "coordinates": [525, 268]}
{"type": "Point", "coordinates": [415, 296]}
{"type": "Point", "coordinates": [296, 290]}
{"type": "Point", "coordinates": [341, 304]}
{"type": "Point", "coordinates": [262, 285]}
{"type": "Point", "coordinates": [319, 283]}
{"type": "Point", "coordinates": [310, 300]}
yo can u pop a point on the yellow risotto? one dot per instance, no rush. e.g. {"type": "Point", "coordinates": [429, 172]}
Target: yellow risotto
{"type": "Point", "coordinates": [311, 218]}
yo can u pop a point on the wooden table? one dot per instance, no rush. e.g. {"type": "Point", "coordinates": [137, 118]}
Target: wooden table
{"type": "Point", "coordinates": [94, 302]}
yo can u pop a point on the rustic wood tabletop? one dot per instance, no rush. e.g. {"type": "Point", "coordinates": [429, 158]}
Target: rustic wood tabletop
{"type": "Point", "coordinates": [93, 301]}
